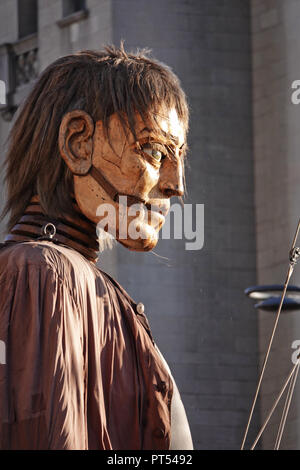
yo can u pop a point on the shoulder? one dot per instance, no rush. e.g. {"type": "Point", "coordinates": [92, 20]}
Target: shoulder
{"type": "Point", "coordinates": [50, 268]}
{"type": "Point", "coordinates": [41, 256]}
{"type": "Point", "coordinates": [15, 256]}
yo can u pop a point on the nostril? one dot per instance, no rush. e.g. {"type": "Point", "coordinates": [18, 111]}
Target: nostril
{"type": "Point", "coordinates": [169, 192]}
{"type": "Point", "coordinates": [173, 191]}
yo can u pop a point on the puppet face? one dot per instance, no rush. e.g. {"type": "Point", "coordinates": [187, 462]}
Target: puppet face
{"type": "Point", "coordinates": [150, 169]}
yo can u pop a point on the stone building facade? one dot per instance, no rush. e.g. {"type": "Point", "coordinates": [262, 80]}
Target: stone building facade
{"type": "Point", "coordinates": [236, 60]}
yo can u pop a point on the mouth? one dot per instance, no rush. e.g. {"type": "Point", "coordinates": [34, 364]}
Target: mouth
{"type": "Point", "coordinates": [157, 219]}
{"type": "Point", "coordinates": [160, 208]}
{"type": "Point", "coordinates": [157, 214]}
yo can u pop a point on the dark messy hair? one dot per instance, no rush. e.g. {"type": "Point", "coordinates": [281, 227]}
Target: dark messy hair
{"type": "Point", "coordinates": [98, 82]}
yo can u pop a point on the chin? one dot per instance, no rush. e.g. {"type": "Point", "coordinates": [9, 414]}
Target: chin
{"type": "Point", "coordinates": [145, 243]}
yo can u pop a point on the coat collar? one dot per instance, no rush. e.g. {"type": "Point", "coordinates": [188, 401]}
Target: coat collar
{"type": "Point", "coordinates": [78, 233]}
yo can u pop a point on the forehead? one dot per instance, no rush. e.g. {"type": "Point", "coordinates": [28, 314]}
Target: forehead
{"type": "Point", "coordinates": [169, 123]}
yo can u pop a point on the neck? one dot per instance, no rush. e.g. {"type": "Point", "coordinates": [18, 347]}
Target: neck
{"type": "Point", "coordinates": [78, 233]}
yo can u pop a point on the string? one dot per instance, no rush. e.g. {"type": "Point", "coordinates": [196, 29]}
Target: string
{"type": "Point", "coordinates": [286, 408]}
{"type": "Point", "coordinates": [275, 404]}
{"type": "Point", "coordinates": [162, 259]}
{"type": "Point", "coordinates": [293, 258]}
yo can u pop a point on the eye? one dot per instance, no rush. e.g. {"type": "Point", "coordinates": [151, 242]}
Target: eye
{"type": "Point", "coordinates": [154, 151]}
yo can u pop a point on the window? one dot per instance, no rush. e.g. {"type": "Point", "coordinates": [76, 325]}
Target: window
{"type": "Point", "coordinates": [72, 12]}
{"type": "Point", "coordinates": [27, 17]}
{"type": "Point", "coordinates": [72, 6]}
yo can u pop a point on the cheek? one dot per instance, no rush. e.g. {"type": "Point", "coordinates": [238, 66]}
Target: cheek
{"type": "Point", "coordinates": [132, 165]}
{"type": "Point", "coordinates": [147, 181]}
{"type": "Point", "coordinates": [140, 174]}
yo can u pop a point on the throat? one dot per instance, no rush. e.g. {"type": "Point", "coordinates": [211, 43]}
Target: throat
{"type": "Point", "coordinates": [78, 233]}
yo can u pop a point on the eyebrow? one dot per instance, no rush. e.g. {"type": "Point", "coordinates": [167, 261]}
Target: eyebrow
{"type": "Point", "coordinates": [165, 134]}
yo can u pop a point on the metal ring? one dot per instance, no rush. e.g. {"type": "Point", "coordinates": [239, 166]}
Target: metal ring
{"type": "Point", "coordinates": [49, 230]}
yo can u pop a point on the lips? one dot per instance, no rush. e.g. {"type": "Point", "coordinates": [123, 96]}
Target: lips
{"type": "Point", "coordinates": [161, 208]}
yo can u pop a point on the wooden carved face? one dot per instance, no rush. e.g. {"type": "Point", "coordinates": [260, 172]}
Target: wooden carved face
{"type": "Point", "coordinates": [150, 168]}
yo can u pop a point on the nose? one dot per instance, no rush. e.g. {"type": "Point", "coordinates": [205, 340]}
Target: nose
{"type": "Point", "coordinates": [171, 178]}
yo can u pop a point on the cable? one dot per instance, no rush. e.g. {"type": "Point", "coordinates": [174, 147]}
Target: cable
{"type": "Point", "coordinates": [275, 404]}
{"type": "Point", "coordinates": [286, 408]}
{"type": "Point", "coordinates": [293, 256]}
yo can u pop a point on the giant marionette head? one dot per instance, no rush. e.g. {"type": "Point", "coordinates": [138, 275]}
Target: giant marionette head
{"type": "Point", "coordinates": [110, 129]}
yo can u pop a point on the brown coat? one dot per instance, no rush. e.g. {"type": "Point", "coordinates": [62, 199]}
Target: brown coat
{"type": "Point", "coordinates": [82, 370]}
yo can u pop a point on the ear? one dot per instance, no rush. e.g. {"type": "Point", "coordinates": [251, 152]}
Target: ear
{"type": "Point", "coordinates": [75, 141]}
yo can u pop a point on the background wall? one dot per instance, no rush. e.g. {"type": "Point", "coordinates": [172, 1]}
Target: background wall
{"type": "Point", "coordinates": [201, 319]}
{"type": "Point", "coordinates": [275, 58]}
{"type": "Point", "coordinates": [236, 61]}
